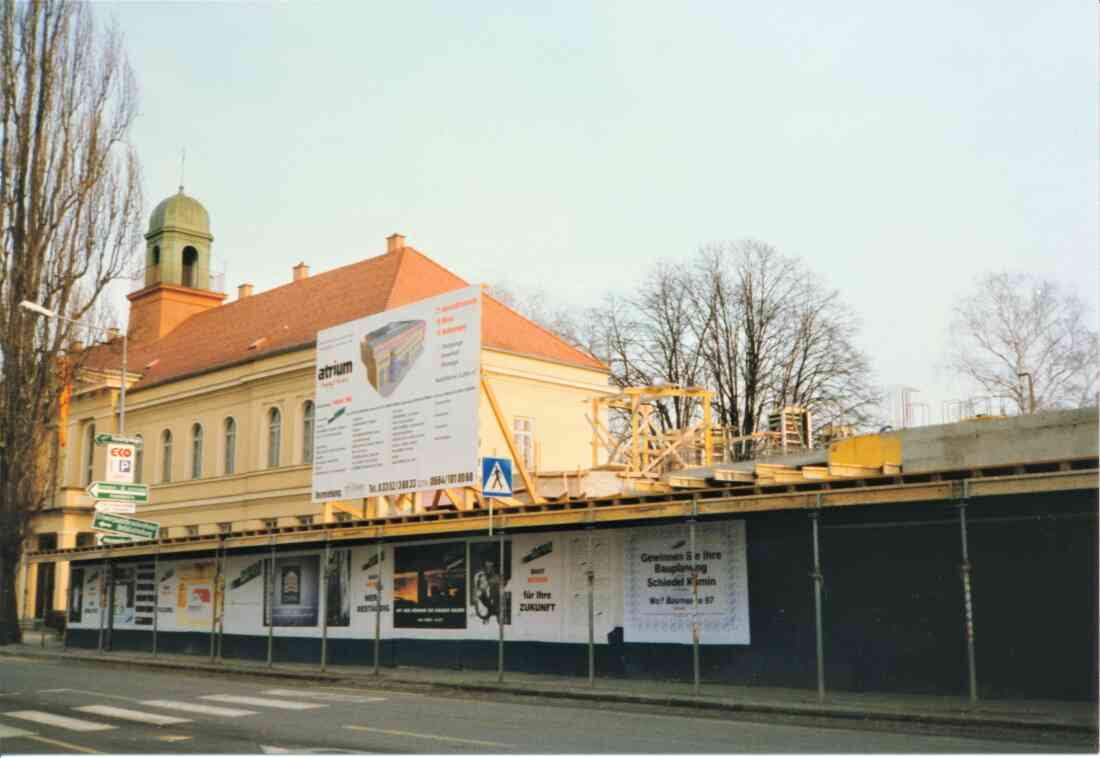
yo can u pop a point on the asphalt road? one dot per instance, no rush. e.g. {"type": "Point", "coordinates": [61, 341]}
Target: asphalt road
{"type": "Point", "coordinates": [64, 707]}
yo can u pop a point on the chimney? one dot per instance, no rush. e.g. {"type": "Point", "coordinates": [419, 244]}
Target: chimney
{"type": "Point", "coordinates": [395, 242]}
{"type": "Point", "coordinates": [301, 271]}
{"type": "Point", "coordinates": [243, 291]}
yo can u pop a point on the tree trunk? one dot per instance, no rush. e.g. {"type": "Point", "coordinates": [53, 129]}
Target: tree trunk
{"type": "Point", "coordinates": [10, 631]}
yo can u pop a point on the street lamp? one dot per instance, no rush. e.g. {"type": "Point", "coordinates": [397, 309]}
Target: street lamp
{"type": "Point", "coordinates": [41, 310]}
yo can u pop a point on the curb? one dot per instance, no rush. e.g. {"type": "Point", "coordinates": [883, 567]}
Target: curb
{"type": "Point", "coordinates": [847, 714]}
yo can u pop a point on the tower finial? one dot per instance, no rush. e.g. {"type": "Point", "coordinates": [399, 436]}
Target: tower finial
{"type": "Point", "coordinates": [183, 163]}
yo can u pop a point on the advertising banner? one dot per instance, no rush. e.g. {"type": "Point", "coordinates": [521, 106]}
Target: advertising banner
{"type": "Point", "coordinates": [295, 593]}
{"type": "Point", "coordinates": [191, 587]}
{"type": "Point", "coordinates": [338, 588]}
{"type": "Point", "coordinates": [490, 593]}
{"type": "Point", "coordinates": [369, 585]}
{"type": "Point", "coordinates": [539, 586]}
{"type": "Point", "coordinates": [658, 584]}
{"type": "Point", "coordinates": [397, 400]}
{"type": "Point", "coordinates": [429, 586]}
{"type": "Point", "coordinates": [76, 595]}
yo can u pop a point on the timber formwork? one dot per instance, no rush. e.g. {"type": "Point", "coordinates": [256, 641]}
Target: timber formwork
{"type": "Point", "coordinates": [1023, 478]}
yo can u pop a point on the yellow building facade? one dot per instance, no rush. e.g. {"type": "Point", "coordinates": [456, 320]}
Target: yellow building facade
{"type": "Point", "coordinates": [222, 396]}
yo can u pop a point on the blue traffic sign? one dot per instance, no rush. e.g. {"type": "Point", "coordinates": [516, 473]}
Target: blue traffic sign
{"type": "Point", "coordinates": [496, 477]}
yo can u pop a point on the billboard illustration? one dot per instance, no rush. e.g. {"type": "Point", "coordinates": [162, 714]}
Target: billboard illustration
{"type": "Point", "coordinates": [338, 588]}
{"type": "Point", "coordinates": [389, 352]}
{"type": "Point", "coordinates": [397, 400]}
{"type": "Point", "coordinates": [490, 595]}
{"type": "Point", "coordinates": [429, 586]}
{"type": "Point", "coordinates": [294, 599]}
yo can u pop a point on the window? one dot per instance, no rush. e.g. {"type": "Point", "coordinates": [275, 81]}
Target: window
{"type": "Point", "coordinates": [342, 516]}
{"type": "Point", "coordinates": [193, 530]}
{"type": "Point", "coordinates": [85, 539]}
{"type": "Point", "coordinates": [274, 435]}
{"type": "Point", "coordinates": [271, 523]}
{"type": "Point", "coordinates": [225, 526]}
{"type": "Point", "coordinates": [166, 456]}
{"type": "Point", "coordinates": [156, 255]}
{"type": "Point", "coordinates": [139, 461]}
{"type": "Point", "coordinates": [307, 432]}
{"type": "Point", "coordinates": [196, 451]}
{"type": "Point", "coordinates": [190, 259]}
{"type": "Point", "coordinates": [523, 434]}
{"type": "Point", "coordinates": [47, 541]}
{"type": "Point", "coordinates": [230, 446]}
{"type": "Point", "coordinates": [305, 520]}
{"type": "Point", "coordinates": [89, 454]}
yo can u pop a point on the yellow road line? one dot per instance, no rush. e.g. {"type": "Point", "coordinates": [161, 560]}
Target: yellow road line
{"type": "Point", "coordinates": [427, 736]}
{"type": "Point", "coordinates": [59, 743]}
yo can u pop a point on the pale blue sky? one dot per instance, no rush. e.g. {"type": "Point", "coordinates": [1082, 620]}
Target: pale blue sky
{"type": "Point", "coordinates": [900, 149]}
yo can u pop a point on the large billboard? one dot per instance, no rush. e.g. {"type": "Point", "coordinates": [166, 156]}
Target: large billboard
{"type": "Point", "coordinates": [397, 400]}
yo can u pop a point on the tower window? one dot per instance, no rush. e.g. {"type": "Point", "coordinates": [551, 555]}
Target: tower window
{"type": "Point", "coordinates": [190, 261]}
{"type": "Point", "coordinates": [89, 453]}
{"type": "Point", "coordinates": [166, 456]}
{"type": "Point", "coordinates": [307, 432]}
{"type": "Point", "coordinates": [156, 255]}
{"type": "Point", "coordinates": [230, 446]}
{"type": "Point", "coordinates": [139, 461]}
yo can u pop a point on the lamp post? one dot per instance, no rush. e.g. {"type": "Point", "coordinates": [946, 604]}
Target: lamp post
{"type": "Point", "coordinates": [44, 311]}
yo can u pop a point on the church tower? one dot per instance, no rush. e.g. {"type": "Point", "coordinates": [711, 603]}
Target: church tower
{"type": "Point", "coordinates": [177, 269]}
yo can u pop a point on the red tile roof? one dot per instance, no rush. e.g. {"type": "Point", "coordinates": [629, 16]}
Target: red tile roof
{"type": "Point", "coordinates": [289, 317]}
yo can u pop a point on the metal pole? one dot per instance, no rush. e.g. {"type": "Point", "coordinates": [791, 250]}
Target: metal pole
{"type": "Point", "coordinates": [156, 595]}
{"type": "Point", "coordinates": [500, 615]}
{"type": "Point", "coordinates": [101, 590]}
{"type": "Point", "coordinates": [110, 606]}
{"type": "Point", "coordinates": [122, 391]}
{"type": "Point", "coordinates": [221, 616]}
{"type": "Point", "coordinates": [378, 608]}
{"type": "Point", "coordinates": [591, 575]}
{"type": "Point", "coordinates": [214, 599]}
{"type": "Point", "coordinates": [324, 618]}
{"type": "Point", "coordinates": [271, 605]}
{"type": "Point", "coordinates": [817, 577]}
{"type": "Point", "coordinates": [964, 569]}
{"type": "Point", "coordinates": [26, 591]}
{"type": "Point", "coordinates": [694, 599]}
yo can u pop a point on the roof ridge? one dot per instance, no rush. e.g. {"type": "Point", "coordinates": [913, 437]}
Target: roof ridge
{"type": "Point", "coordinates": [545, 330]}
{"type": "Point", "coordinates": [410, 249]}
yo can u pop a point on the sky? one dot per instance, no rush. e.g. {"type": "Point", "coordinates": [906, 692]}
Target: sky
{"type": "Point", "coordinates": [899, 150]}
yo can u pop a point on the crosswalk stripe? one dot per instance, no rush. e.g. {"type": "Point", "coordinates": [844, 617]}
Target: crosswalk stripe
{"type": "Point", "coordinates": [209, 710]}
{"type": "Point", "coordinates": [332, 697]}
{"type": "Point", "coordinates": [51, 719]}
{"type": "Point", "coordinates": [263, 702]}
{"type": "Point", "coordinates": [11, 731]}
{"type": "Point", "coordinates": [125, 713]}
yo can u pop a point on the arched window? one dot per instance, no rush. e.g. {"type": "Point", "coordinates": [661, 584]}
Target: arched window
{"type": "Point", "coordinates": [156, 255]}
{"type": "Point", "coordinates": [230, 446]}
{"type": "Point", "coordinates": [139, 461]}
{"type": "Point", "coordinates": [166, 456]}
{"type": "Point", "coordinates": [190, 259]}
{"type": "Point", "coordinates": [274, 436]}
{"type": "Point", "coordinates": [89, 454]}
{"type": "Point", "coordinates": [196, 451]}
{"type": "Point", "coordinates": [307, 432]}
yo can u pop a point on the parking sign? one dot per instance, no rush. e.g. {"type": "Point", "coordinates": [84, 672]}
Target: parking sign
{"type": "Point", "coordinates": [120, 463]}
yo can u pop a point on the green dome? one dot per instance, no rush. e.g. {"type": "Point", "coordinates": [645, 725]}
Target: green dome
{"type": "Point", "coordinates": [180, 212]}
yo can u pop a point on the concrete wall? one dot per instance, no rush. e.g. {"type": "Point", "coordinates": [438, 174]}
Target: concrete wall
{"type": "Point", "coordinates": [999, 441]}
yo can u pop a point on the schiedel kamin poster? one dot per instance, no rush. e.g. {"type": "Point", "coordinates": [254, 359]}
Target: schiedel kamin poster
{"type": "Point", "coordinates": [429, 586]}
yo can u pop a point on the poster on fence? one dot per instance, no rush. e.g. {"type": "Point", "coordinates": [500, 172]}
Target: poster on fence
{"type": "Point", "coordinates": [658, 593]}
{"type": "Point", "coordinates": [429, 586]}
{"type": "Point", "coordinates": [295, 596]}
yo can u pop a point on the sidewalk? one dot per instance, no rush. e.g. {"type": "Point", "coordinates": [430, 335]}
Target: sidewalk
{"type": "Point", "coordinates": [1073, 720]}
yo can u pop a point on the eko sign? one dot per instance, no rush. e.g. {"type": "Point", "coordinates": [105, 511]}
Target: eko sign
{"type": "Point", "coordinates": [121, 460]}
{"type": "Point", "coordinates": [397, 400]}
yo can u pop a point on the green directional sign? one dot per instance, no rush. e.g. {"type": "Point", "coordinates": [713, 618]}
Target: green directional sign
{"type": "Point", "coordinates": [113, 539]}
{"type": "Point", "coordinates": [120, 492]}
{"type": "Point", "coordinates": [117, 439]}
{"type": "Point", "coordinates": [113, 522]}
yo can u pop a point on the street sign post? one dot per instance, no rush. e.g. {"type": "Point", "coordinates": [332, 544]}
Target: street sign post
{"type": "Point", "coordinates": [119, 491]}
{"type": "Point", "coordinates": [109, 506]}
{"type": "Point", "coordinates": [118, 524]}
{"type": "Point", "coordinates": [120, 463]}
{"type": "Point", "coordinates": [117, 439]}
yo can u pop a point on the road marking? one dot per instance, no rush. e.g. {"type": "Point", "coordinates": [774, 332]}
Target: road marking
{"type": "Point", "coordinates": [335, 697]}
{"type": "Point", "coordinates": [11, 731]}
{"type": "Point", "coordinates": [66, 745]}
{"type": "Point", "coordinates": [428, 736]}
{"type": "Point", "coordinates": [18, 659]}
{"type": "Point", "coordinates": [288, 705]}
{"type": "Point", "coordinates": [210, 710]}
{"type": "Point", "coordinates": [125, 713]}
{"type": "Point", "coordinates": [50, 719]}
{"type": "Point", "coordinates": [174, 738]}
{"type": "Point", "coordinates": [89, 692]}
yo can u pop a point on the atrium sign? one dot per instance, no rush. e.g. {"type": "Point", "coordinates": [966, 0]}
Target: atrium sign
{"type": "Point", "coordinates": [397, 400]}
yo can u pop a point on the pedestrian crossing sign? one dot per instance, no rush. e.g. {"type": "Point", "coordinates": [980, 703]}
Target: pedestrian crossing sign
{"type": "Point", "coordinates": [496, 477]}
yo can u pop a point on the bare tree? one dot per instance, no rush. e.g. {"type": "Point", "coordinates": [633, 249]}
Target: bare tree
{"type": "Point", "coordinates": [1011, 324]}
{"type": "Point", "coordinates": [71, 209]}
